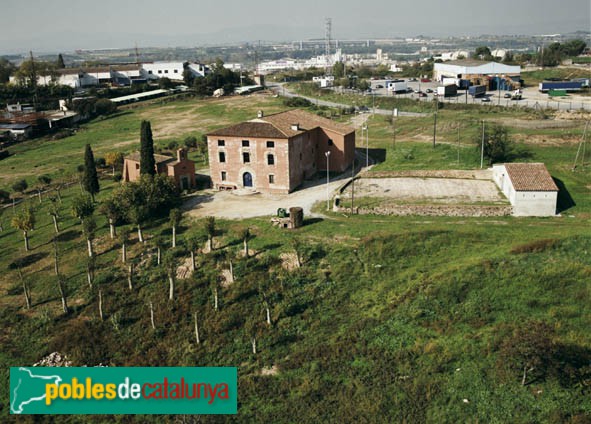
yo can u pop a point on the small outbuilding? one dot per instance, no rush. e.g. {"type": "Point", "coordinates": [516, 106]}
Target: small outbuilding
{"type": "Point", "coordinates": [181, 169]}
{"type": "Point", "coordinates": [529, 188]}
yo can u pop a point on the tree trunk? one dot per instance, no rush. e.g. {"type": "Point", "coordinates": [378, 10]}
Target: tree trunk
{"type": "Point", "coordinates": [112, 228]}
{"type": "Point", "coordinates": [113, 170]}
{"type": "Point", "coordinates": [59, 194]}
{"type": "Point", "coordinates": [246, 248]}
{"type": "Point", "coordinates": [56, 263]}
{"type": "Point", "coordinates": [215, 299]}
{"type": "Point", "coordinates": [197, 339]}
{"type": "Point", "coordinates": [298, 259]}
{"type": "Point", "coordinates": [253, 341]}
{"type": "Point", "coordinates": [173, 236]}
{"type": "Point", "coordinates": [152, 316]}
{"type": "Point", "coordinates": [524, 375]}
{"type": "Point", "coordinates": [26, 241]}
{"type": "Point", "coordinates": [171, 287]}
{"type": "Point", "coordinates": [89, 275]}
{"type": "Point", "coordinates": [123, 253]}
{"type": "Point", "coordinates": [1, 226]}
{"type": "Point", "coordinates": [27, 293]}
{"type": "Point", "coordinates": [100, 304]}
{"type": "Point", "coordinates": [130, 277]}
{"type": "Point", "coordinates": [231, 272]}
{"type": "Point", "coordinates": [139, 234]}
{"type": "Point", "coordinates": [210, 244]}
{"type": "Point", "coordinates": [193, 267]}
{"type": "Point", "coordinates": [158, 256]}
{"type": "Point", "coordinates": [39, 194]}
{"type": "Point", "coordinates": [63, 295]}
{"type": "Point", "coordinates": [268, 315]}
{"type": "Point", "coordinates": [90, 251]}
{"type": "Point", "coordinates": [55, 225]}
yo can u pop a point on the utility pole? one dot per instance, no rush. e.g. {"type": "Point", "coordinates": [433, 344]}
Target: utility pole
{"type": "Point", "coordinates": [459, 144]}
{"type": "Point", "coordinates": [33, 79]}
{"type": "Point", "coordinates": [352, 183]}
{"type": "Point", "coordinates": [327, 154]}
{"type": "Point", "coordinates": [393, 130]}
{"type": "Point", "coordinates": [482, 148]}
{"type": "Point", "coordinates": [435, 121]}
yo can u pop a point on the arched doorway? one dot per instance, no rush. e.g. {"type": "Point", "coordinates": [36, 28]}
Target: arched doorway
{"type": "Point", "coordinates": [247, 179]}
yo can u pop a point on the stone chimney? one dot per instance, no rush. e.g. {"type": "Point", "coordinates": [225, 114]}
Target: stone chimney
{"type": "Point", "coordinates": [181, 155]}
{"type": "Point", "coordinates": [260, 114]}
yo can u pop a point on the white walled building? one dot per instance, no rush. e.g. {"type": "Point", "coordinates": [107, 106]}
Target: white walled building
{"type": "Point", "coordinates": [467, 68]}
{"type": "Point", "coordinates": [529, 188]}
{"type": "Point", "coordinates": [172, 70]}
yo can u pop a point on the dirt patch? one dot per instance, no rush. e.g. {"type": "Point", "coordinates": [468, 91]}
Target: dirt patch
{"type": "Point", "coordinates": [184, 269]}
{"type": "Point", "coordinates": [227, 278]}
{"type": "Point", "coordinates": [438, 190]}
{"type": "Point", "coordinates": [274, 370]}
{"type": "Point", "coordinates": [289, 261]}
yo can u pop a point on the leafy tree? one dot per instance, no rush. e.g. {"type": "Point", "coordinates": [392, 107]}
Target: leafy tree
{"type": "Point", "coordinates": [175, 217]}
{"type": "Point", "coordinates": [498, 145]}
{"type": "Point", "coordinates": [114, 160]}
{"type": "Point", "coordinates": [190, 142]}
{"type": "Point", "coordinates": [170, 265]}
{"type": "Point", "coordinates": [147, 161]}
{"type": "Point", "coordinates": [193, 241]}
{"type": "Point", "coordinates": [60, 62]}
{"type": "Point", "coordinates": [20, 186]}
{"type": "Point", "coordinates": [574, 47]}
{"type": "Point", "coordinates": [29, 71]}
{"type": "Point", "coordinates": [338, 70]}
{"type": "Point", "coordinates": [104, 107]}
{"type": "Point", "coordinates": [138, 214]}
{"type": "Point", "coordinates": [25, 222]}
{"type": "Point", "coordinates": [54, 212]}
{"type": "Point", "coordinates": [82, 207]}
{"type": "Point", "coordinates": [245, 236]}
{"type": "Point", "coordinates": [6, 70]}
{"type": "Point", "coordinates": [188, 76]}
{"type": "Point", "coordinates": [483, 52]}
{"type": "Point", "coordinates": [165, 83]}
{"type": "Point", "coordinates": [124, 239]}
{"type": "Point", "coordinates": [90, 181]}
{"type": "Point", "coordinates": [110, 209]}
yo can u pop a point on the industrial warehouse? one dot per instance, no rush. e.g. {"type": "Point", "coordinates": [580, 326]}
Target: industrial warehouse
{"type": "Point", "coordinates": [494, 75]}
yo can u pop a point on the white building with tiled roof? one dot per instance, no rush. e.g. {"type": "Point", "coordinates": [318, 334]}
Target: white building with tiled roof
{"type": "Point", "coordinates": [529, 188]}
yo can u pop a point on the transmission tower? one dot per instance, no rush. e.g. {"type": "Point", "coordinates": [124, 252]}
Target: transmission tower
{"type": "Point", "coordinates": [327, 36]}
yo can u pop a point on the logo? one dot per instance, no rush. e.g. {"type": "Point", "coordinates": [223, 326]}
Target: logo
{"type": "Point", "coordinates": [123, 390]}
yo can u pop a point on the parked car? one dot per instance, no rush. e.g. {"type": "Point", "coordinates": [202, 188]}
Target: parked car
{"type": "Point", "coordinates": [416, 90]}
{"type": "Point", "coordinates": [363, 109]}
{"type": "Point", "coordinates": [421, 94]}
{"type": "Point", "coordinates": [379, 86]}
{"type": "Point", "coordinates": [486, 99]}
{"type": "Point", "coordinates": [507, 95]}
{"type": "Point", "coordinates": [412, 79]}
{"type": "Point", "coordinates": [428, 90]}
{"type": "Point", "coordinates": [425, 80]}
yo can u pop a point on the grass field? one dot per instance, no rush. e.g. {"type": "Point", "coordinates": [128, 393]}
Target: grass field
{"type": "Point", "coordinates": [389, 319]}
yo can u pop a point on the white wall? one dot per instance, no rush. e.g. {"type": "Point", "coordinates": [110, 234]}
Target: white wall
{"type": "Point", "coordinates": [535, 203]}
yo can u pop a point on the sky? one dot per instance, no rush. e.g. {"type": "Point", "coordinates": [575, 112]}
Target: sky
{"type": "Point", "coordinates": [66, 25]}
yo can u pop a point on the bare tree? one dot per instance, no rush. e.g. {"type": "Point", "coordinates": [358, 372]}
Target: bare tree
{"type": "Point", "coordinates": [192, 243]}
{"type": "Point", "coordinates": [24, 221]}
{"type": "Point", "coordinates": [111, 211]}
{"type": "Point", "coordinates": [60, 286]}
{"type": "Point", "coordinates": [170, 265]}
{"type": "Point", "coordinates": [56, 257]}
{"type": "Point", "coordinates": [54, 212]}
{"type": "Point", "coordinates": [100, 305]}
{"type": "Point", "coordinates": [175, 217]}
{"type": "Point", "coordinates": [90, 268]}
{"type": "Point", "coordinates": [152, 316]}
{"type": "Point", "coordinates": [89, 228]}
{"type": "Point", "coordinates": [210, 230]}
{"type": "Point", "coordinates": [214, 290]}
{"type": "Point", "coordinates": [197, 339]}
{"type": "Point", "coordinates": [26, 289]}
{"type": "Point", "coordinates": [124, 239]}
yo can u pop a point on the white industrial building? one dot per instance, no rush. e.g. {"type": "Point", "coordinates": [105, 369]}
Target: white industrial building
{"type": "Point", "coordinates": [468, 69]}
{"type": "Point", "coordinates": [529, 188]}
{"type": "Point", "coordinates": [119, 74]}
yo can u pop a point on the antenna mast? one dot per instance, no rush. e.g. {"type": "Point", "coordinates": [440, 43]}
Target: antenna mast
{"type": "Point", "coordinates": [327, 36]}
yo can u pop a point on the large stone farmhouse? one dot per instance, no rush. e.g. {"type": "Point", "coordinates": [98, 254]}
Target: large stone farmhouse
{"type": "Point", "coordinates": [529, 188]}
{"type": "Point", "coordinates": [181, 169]}
{"type": "Point", "coordinates": [276, 153]}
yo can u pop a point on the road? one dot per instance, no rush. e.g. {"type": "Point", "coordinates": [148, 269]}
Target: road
{"type": "Point", "coordinates": [531, 98]}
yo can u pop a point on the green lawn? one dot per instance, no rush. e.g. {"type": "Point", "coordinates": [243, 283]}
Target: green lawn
{"type": "Point", "coordinates": [390, 319]}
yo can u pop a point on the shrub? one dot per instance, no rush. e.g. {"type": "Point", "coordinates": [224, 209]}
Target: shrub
{"type": "Point", "coordinates": [117, 177]}
{"type": "Point", "coordinates": [20, 186]}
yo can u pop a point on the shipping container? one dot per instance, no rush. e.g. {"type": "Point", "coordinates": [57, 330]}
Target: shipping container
{"type": "Point", "coordinates": [447, 90]}
{"type": "Point", "coordinates": [545, 86]}
{"type": "Point", "coordinates": [477, 90]}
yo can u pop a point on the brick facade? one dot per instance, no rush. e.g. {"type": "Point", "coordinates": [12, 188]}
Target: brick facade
{"type": "Point", "coordinates": [181, 169]}
{"type": "Point", "coordinates": [275, 154]}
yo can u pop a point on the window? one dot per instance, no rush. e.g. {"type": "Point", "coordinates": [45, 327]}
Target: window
{"type": "Point", "coordinates": [223, 175]}
{"type": "Point", "coordinates": [300, 156]}
{"type": "Point", "coordinates": [221, 143]}
{"type": "Point", "coordinates": [246, 157]}
{"type": "Point", "coordinates": [150, 72]}
{"type": "Point", "coordinates": [222, 156]}
{"type": "Point", "coordinates": [270, 160]}
{"type": "Point", "coordinates": [176, 71]}
{"type": "Point", "coordinates": [330, 142]}
{"type": "Point", "coordinates": [137, 166]}
{"type": "Point", "coordinates": [270, 144]}
{"type": "Point", "coordinates": [271, 179]}
{"type": "Point", "coordinates": [245, 143]}
{"type": "Point", "coordinates": [166, 71]}
{"type": "Point", "coordinates": [159, 71]}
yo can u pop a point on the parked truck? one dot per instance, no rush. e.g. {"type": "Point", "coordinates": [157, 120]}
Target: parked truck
{"type": "Point", "coordinates": [397, 87]}
{"type": "Point", "coordinates": [477, 90]}
{"type": "Point", "coordinates": [447, 90]}
{"type": "Point", "coordinates": [546, 86]}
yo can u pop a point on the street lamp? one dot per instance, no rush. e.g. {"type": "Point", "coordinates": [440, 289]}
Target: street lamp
{"type": "Point", "coordinates": [365, 130]}
{"type": "Point", "coordinates": [327, 154]}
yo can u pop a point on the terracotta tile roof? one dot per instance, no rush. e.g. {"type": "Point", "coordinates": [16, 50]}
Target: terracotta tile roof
{"type": "Point", "coordinates": [135, 156]}
{"type": "Point", "coordinates": [530, 177]}
{"type": "Point", "coordinates": [250, 129]}
{"type": "Point", "coordinates": [280, 125]}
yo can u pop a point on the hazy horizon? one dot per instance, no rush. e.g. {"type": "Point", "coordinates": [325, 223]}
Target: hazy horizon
{"type": "Point", "coordinates": [67, 26]}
